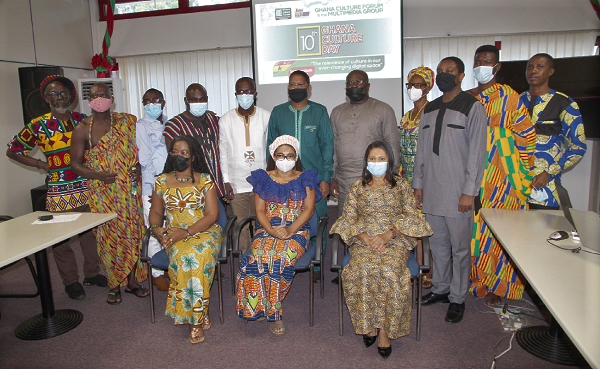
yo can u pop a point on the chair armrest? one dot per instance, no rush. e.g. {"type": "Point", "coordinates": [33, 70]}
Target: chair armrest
{"type": "Point", "coordinates": [335, 265]}
{"type": "Point", "coordinates": [319, 239]}
{"type": "Point", "coordinates": [235, 244]}
{"type": "Point", "coordinates": [226, 236]}
{"type": "Point", "coordinates": [4, 218]}
{"type": "Point", "coordinates": [144, 252]}
{"type": "Point", "coordinates": [426, 255]}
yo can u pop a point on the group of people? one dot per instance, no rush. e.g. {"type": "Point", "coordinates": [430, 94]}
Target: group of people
{"type": "Point", "coordinates": [487, 147]}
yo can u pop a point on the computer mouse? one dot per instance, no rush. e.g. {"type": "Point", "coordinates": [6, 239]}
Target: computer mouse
{"type": "Point", "coordinates": [559, 235]}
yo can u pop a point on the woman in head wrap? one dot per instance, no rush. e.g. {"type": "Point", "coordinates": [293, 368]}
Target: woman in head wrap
{"type": "Point", "coordinates": [420, 81]}
{"type": "Point", "coordinates": [284, 199]}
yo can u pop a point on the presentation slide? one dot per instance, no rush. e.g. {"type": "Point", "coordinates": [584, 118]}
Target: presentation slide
{"type": "Point", "coordinates": [327, 39]}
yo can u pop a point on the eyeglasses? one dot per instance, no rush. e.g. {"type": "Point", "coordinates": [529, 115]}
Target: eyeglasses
{"type": "Point", "coordinates": [184, 153]}
{"type": "Point", "coordinates": [289, 156]}
{"type": "Point", "coordinates": [356, 82]}
{"type": "Point", "coordinates": [417, 85]}
{"type": "Point", "coordinates": [245, 92]}
{"type": "Point", "coordinates": [155, 100]}
{"type": "Point", "coordinates": [297, 85]}
{"type": "Point", "coordinates": [56, 94]}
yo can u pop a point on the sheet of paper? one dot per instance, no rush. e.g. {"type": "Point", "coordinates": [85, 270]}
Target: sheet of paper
{"type": "Point", "coordinates": [59, 219]}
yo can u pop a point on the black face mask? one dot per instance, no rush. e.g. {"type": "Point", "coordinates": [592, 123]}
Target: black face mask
{"type": "Point", "coordinates": [356, 93]}
{"type": "Point", "coordinates": [445, 81]}
{"type": "Point", "coordinates": [180, 163]}
{"type": "Point", "coordinates": [298, 94]}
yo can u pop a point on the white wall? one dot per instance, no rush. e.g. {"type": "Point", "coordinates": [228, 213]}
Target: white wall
{"type": "Point", "coordinates": [62, 37]}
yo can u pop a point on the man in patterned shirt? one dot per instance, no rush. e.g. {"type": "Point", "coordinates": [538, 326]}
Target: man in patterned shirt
{"type": "Point", "coordinates": [559, 129]}
{"type": "Point", "coordinates": [66, 190]}
{"type": "Point", "coordinates": [203, 125]}
{"type": "Point", "coordinates": [506, 179]}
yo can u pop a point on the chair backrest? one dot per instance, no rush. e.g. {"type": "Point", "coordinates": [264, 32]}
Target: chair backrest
{"type": "Point", "coordinates": [222, 215]}
{"type": "Point", "coordinates": [314, 224]}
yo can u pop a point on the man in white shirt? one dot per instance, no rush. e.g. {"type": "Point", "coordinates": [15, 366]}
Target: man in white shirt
{"type": "Point", "coordinates": [242, 148]}
{"type": "Point", "coordinates": [153, 154]}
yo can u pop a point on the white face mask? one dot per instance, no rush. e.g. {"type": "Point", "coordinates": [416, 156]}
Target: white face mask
{"type": "Point", "coordinates": [414, 94]}
{"type": "Point", "coordinates": [483, 74]}
{"type": "Point", "coordinates": [285, 165]}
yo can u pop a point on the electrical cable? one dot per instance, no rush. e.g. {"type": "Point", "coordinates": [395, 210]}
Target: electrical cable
{"type": "Point", "coordinates": [505, 351]}
{"type": "Point", "coordinates": [575, 250]}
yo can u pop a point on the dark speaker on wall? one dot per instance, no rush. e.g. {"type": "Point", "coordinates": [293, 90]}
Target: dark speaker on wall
{"type": "Point", "coordinates": [31, 99]}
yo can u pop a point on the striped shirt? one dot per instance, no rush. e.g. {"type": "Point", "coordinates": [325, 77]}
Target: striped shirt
{"type": "Point", "coordinates": [206, 132]}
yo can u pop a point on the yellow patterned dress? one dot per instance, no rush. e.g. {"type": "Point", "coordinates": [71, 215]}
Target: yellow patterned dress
{"type": "Point", "coordinates": [119, 240]}
{"type": "Point", "coordinates": [377, 286]}
{"type": "Point", "coordinates": [192, 260]}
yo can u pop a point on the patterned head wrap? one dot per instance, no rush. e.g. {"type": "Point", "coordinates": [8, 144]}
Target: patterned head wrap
{"type": "Point", "coordinates": [424, 72]}
{"type": "Point", "coordinates": [284, 140]}
{"type": "Point", "coordinates": [64, 80]}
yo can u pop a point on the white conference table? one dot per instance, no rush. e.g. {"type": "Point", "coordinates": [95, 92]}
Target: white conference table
{"type": "Point", "coordinates": [18, 239]}
{"type": "Point", "coordinates": [568, 283]}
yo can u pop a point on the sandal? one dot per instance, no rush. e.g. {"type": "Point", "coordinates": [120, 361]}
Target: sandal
{"type": "Point", "coordinates": [427, 282]}
{"type": "Point", "coordinates": [116, 298]}
{"type": "Point", "coordinates": [206, 323]}
{"type": "Point", "coordinates": [196, 334]}
{"type": "Point", "coordinates": [277, 328]}
{"type": "Point", "coordinates": [261, 319]}
{"type": "Point", "coordinates": [139, 291]}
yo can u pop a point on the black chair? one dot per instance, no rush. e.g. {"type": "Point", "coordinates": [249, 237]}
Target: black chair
{"type": "Point", "coordinates": [307, 262]}
{"type": "Point", "coordinates": [4, 218]}
{"type": "Point", "coordinates": [160, 260]}
{"type": "Point", "coordinates": [416, 275]}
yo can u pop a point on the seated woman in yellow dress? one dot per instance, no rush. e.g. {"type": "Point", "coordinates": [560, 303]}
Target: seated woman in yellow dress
{"type": "Point", "coordinates": [379, 224]}
{"type": "Point", "coordinates": [284, 199]}
{"type": "Point", "coordinates": [191, 237]}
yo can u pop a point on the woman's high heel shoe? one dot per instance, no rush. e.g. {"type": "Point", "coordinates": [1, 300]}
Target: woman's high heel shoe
{"type": "Point", "coordinates": [196, 334]}
{"type": "Point", "coordinates": [206, 323]}
{"type": "Point", "coordinates": [385, 352]}
{"type": "Point", "coordinates": [369, 340]}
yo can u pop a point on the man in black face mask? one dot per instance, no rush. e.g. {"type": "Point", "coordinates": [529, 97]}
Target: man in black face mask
{"type": "Point", "coordinates": [449, 165]}
{"type": "Point", "coordinates": [309, 123]}
{"type": "Point", "coordinates": [356, 124]}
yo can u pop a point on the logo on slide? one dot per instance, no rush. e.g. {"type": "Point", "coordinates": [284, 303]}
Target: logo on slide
{"type": "Point", "coordinates": [283, 13]}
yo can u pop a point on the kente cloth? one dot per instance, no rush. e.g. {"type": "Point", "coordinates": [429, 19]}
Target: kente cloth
{"type": "Point", "coordinates": [66, 190]}
{"type": "Point", "coordinates": [192, 260]}
{"type": "Point", "coordinates": [266, 273]}
{"type": "Point", "coordinates": [119, 240]}
{"type": "Point", "coordinates": [206, 131]}
{"type": "Point", "coordinates": [311, 126]}
{"type": "Point", "coordinates": [506, 185]}
{"type": "Point", "coordinates": [560, 138]}
{"type": "Point", "coordinates": [377, 286]}
{"type": "Point", "coordinates": [409, 132]}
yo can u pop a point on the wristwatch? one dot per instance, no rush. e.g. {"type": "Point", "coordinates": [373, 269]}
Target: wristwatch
{"type": "Point", "coordinates": [394, 233]}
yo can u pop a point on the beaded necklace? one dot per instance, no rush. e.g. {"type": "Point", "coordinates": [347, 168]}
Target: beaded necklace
{"type": "Point", "coordinates": [92, 123]}
{"type": "Point", "coordinates": [412, 121]}
{"type": "Point", "coordinates": [181, 179]}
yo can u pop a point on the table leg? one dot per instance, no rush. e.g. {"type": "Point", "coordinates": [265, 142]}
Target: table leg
{"type": "Point", "coordinates": [49, 323]}
{"type": "Point", "coordinates": [550, 344]}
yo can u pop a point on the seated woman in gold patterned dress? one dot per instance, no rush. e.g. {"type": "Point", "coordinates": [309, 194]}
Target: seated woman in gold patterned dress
{"type": "Point", "coordinates": [379, 224]}
{"type": "Point", "coordinates": [187, 194]}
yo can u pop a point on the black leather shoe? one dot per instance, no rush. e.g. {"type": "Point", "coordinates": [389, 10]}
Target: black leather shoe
{"type": "Point", "coordinates": [385, 352]}
{"type": "Point", "coordinates": [369, 340]}
{"type": "Point", "coordinates": [455, 312]}
{"type": "Point", "coordinates": [75, 291]}
{"type": "Point", "coordinates": [433, 298]}
{"type": "Point", "coordinates": [98, 280]}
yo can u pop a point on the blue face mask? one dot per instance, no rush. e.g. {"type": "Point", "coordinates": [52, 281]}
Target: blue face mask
{"type": "Point", "coordinates": [198, 109]}
{"type": "Point", "coordinates": [245, 101]}
{"type": "Point", "coordinates": [377, 169]}
{"type": "Point", "coordinates": [153, 110]}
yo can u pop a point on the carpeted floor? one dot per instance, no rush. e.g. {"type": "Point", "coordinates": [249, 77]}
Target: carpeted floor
{"type": "Point", "coordinates": [122, 336]}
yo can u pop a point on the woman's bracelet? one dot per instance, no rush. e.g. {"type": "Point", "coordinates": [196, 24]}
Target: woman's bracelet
{"type": "Point", "coordinates": [154, 226]}
{"type": "Point", "coordinates": [37, 163]}
{"type": "Point", "coordinates": [188, 232]}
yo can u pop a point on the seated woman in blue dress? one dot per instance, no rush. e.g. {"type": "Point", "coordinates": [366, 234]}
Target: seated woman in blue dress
{"type": "Point", "coordinates": [284, 198]}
